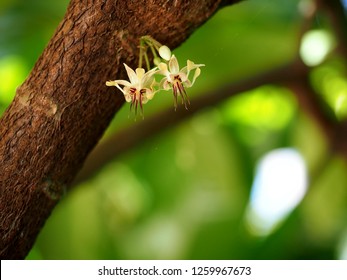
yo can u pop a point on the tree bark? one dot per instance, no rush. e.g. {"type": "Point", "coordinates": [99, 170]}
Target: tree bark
{"type": "Point", "coordinates": [63, 107]}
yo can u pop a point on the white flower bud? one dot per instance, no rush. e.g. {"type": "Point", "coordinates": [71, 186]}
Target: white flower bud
{"type": "Point", "coordinates": [165, 52]}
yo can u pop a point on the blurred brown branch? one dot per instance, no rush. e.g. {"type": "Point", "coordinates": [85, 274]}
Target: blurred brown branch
{"type": "Point", "coordinates": [294, 76]}
{"type": "Point", "coordinates": [139, 132]}
{"type": "Point", "coordinates": [337, 16]}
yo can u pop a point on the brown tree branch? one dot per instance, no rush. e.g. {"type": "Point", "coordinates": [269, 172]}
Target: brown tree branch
{"type": "Point", "coordinates": [62, 109]}
{"type": "Point", "coordinates": [334, 131]}
{"type": "Point", "coordinates": [337, 16]}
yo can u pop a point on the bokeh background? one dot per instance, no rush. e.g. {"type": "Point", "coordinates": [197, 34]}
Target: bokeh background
{"type": "Point", "coordinates": [251, 178]}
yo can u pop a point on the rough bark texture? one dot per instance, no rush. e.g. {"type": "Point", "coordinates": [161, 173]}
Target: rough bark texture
{"type": "Point", "coordinates": [63, 107]}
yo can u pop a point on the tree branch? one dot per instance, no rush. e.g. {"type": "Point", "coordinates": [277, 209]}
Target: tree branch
{"type": "Point", "coordinates": [336, 12]}
{"type": "Point", "coordinates": [62, 109]}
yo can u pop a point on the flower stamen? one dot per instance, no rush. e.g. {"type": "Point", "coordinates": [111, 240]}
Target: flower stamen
{"type": "Point", "coordinates": [139, 89]}
{"type": "Point", "coordinates": [178, 89]}
{"type": "Point", "coordinates": [178, 79]}
{"type": "Point", "coordinates": [142, 86]}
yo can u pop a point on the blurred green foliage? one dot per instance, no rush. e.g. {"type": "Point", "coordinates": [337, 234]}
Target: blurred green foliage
{"type": "Point", "coordinates": [183, 194]}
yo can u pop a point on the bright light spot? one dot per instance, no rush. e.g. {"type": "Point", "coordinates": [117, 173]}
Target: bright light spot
{"type": "Point", "coordinates": [340, 104]}
{"type": "Point", "coordinates": [315, 46]}
{"type": "Point", "coordinates": [160, 237]}
{"type": "Point", "coordinates": [344, 3]}
{"type": "Point", "coordinates": [12, 73]}
{"type": "Point", "coordinates": [336, 94]}
{"type": "Point", "coordinates": [330, 80]}
{"type": "Point", "coordinates": [279, 186]}
{"type": "Point", "coordinates": [342, 247]}
{"type": "Point", "coordinates": [125, 198]}
{"type": "Point", "coordinates": [259, 112]}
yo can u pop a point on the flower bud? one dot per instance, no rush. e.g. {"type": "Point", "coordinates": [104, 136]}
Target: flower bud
{"type": "Point", "coordinates": [165, 52]}
{"type": "Point", "coordinates": [156, 61]}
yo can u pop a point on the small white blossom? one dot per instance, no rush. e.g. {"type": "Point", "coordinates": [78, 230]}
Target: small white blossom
{"type": "Point", "coordinates": [165, 52]}
{"type": "Point", "coordinates": [140, 88]}
{"type": "Point", "coordinates": [178, 79]}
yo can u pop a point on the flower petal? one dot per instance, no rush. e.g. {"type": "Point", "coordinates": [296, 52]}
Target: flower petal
{"type": "Point", "coordinates": [139, 73]}
{"type": "Point", "coordinates": [191, 65]}
{"type": "Point", "coordinates": [187, 84]}
{"type": "Point", "coordinates": [122, 90]}
{"type": "Point", "coordinates": [111, 83]}
{"type": "Point", "coordinates": [173, 65]}
{"type": "Point", "coordinates": [183, 76]}
{"type": "Point", "coordinates": [148, 78]}
{"type": "Point", "coordinates": [196, 74]}
{"type": "Point", "coordinates": [164, 84]}
{"type": "Point", "coordinates": [121, 82]}
{"type": "Point", "coordinates": [127, 97]}
{"type": "Point", "coordinates": [131, 74]}
{"type": "Point", "coordinates": [163, 68]}
{"type": "Point", "coordinates": [148, 95]}
{"type": "Point", "coordinates": [164, 71]}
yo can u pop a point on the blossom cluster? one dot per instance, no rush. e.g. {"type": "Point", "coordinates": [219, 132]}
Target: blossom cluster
{"type": "Point", "coordinates": [142, 85]}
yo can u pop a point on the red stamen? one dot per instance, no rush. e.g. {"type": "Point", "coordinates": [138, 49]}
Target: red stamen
{"type": "Point", "coordinates": [178, 88]}
{"type": "Point", "coordinates": [142, 92]}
